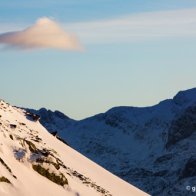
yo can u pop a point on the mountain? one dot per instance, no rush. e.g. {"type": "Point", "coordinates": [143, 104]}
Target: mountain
{"type": "Point", "coordinates": [33, 162]}
{"type": "Point", "coordinates": [152, 148]}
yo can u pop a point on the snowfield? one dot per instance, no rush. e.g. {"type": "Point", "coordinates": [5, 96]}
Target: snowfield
{"type": "Point", "coordinates": [34, 163]}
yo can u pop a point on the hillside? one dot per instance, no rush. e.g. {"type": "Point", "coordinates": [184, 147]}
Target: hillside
{"type": "Point", "coordinates": [34, 162]}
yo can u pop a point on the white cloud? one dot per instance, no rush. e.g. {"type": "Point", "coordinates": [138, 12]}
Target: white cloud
{"type": "Point", "coordinates": [45, 33]}
{"type": "Point", "coordinates": [138, 27]}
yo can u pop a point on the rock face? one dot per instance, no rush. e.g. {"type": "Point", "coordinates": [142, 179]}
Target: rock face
{"type": "Point", "coordinates": [183, 126]}
{"type": "Point", "coordinates": [151, 147]}
{"type": "Point", "coordinates": [189, 168]}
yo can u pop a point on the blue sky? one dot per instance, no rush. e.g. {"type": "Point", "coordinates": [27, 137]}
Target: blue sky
{"type": "Point", "coordinates": [136, 53]}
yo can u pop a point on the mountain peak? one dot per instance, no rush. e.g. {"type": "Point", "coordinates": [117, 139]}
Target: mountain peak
{"type": "Point", "coordinates": [186, 97]}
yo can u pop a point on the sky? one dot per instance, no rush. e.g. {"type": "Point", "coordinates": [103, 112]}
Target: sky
{"type": "Point", "coordinates": [130, 53]}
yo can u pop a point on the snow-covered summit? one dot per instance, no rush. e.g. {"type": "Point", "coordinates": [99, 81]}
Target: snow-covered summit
{"type": "Point", "coordinates": [34, 162]}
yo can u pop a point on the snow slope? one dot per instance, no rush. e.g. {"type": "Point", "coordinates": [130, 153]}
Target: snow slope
{"type": "Point", "coordinates": [152, 148]}
{"type": "Point", "coordinates": [33, 162]}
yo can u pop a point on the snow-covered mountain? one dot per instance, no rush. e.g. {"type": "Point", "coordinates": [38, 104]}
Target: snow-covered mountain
{"type": "Point", "coordinates": [152, 147]}
{"type": "Point", "coordinates": [35, 163]}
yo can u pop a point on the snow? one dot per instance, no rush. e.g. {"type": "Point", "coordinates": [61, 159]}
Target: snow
{"type": "Point", "coordinates": [19, 159]}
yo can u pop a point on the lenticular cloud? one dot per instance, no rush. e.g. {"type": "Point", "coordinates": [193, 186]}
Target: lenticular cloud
{"type": "Point", "coordinates": [45, 33]}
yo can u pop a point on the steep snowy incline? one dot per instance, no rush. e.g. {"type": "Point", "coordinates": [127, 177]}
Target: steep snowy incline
{"type": "Point", "coordinates": [33, 162]}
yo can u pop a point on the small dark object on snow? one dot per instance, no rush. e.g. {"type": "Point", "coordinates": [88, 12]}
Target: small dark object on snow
{"type": "Point", "coordinates": [12, 126]}
{"type": "Point", "coordinates": [54, 133]}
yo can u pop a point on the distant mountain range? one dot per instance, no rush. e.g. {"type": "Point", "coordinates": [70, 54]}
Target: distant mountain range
{"type": "Point", "coordinates": [153, 148]}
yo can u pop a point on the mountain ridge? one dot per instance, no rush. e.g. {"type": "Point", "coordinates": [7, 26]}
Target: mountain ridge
{"type": "Point", "coordinates": [136, 141]}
